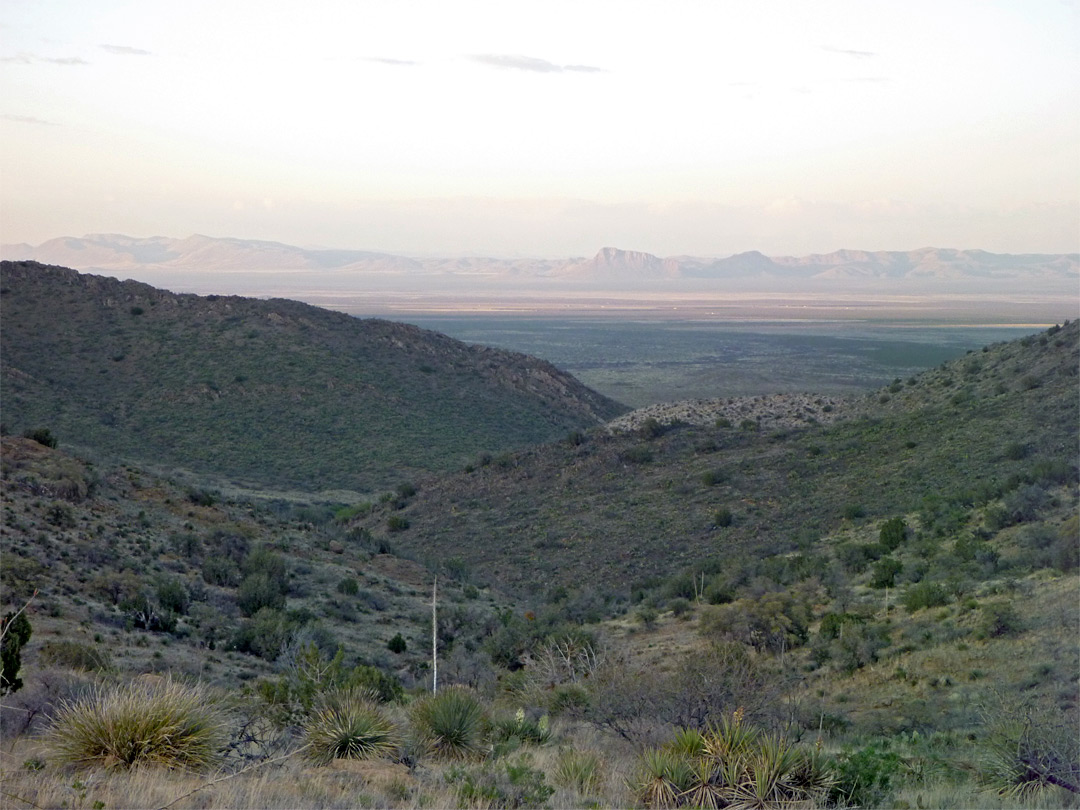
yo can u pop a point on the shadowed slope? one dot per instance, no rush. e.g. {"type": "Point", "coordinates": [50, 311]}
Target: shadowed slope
{"type": "Point", "coordinates": [271, 393]}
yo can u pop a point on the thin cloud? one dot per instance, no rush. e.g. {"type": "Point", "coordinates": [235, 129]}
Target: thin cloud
{"type": "Point", "coordinates": [28, 119]}
{"type": "Point", "coordinates": [529, 64]}
{"type": "Point", "coordinates": [394, 62]}
{"type": "Point", "coordinates": [33, 58]}
{"type": "Point", "coordinates": [124, 50]}
{"type": "Point", "coordinates": [849, 52]}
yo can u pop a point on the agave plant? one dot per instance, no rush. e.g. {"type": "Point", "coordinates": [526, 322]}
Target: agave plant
{"type": "Point", "coordinates": [349, 724]}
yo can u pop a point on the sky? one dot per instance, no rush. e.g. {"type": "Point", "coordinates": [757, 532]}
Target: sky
{"type": "Point", "coordinates": [546, 128]}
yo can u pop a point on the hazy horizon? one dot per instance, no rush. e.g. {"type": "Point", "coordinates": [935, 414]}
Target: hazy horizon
{"type": "Point", "coordinates": [552, 129]}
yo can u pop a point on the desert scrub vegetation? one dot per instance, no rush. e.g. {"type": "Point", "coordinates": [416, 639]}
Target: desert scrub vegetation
{"type": "Point", "coordinates": [450, 723]}
{"type": "Point", "coordinates": [349, 723]}
{"type": "Point", "coordinates": [150, 722]}
{"type": "Point", "coordinates": [732, 764]}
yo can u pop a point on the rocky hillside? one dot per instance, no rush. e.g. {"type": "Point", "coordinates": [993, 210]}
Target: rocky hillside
{"type": "Point", "coordinates": [680, 485]}
{"type": "Point", "coordinates": [264, 393]}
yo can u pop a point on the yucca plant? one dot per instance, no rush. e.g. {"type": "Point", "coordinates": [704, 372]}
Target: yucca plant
{"type": "Point", "coordinates": [687, 742]}
{"type": "Point", "coordinates": [349, 724]}
{"type": "Point", "coordinates": [730, 739]}
{"type": "Point", "coordinates": [451, 722]}
{"type": "Point", "coordinates": [662, 777]}
{"type": "Point", "coordinates": [164, 723]}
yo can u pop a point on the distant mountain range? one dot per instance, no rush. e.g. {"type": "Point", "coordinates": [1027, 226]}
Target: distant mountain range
{"type": "Point", "coordinates": [610, 268]}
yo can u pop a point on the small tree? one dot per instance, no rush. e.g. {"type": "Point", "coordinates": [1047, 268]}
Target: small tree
{"type": "Point", "coordinates": [15, 631]}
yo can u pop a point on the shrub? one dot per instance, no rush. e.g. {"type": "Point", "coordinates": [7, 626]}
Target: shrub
{"type": "Point", "coordinates": [893, 532]}
{"type": "Point", "coordinates": [173, 596]}
{"type": "Point", "coordinates": [397, 644]}
{"type": "Point", "coordinates": [348, 586]}
{"type": "Point", "coordinates": [349, 724]}
{"type": "Point", "coordinates": [73, 655]}
{"type": "Point", "coordinates": [864, 777]}
{"type": "Point", "coordinates": [396, 523]}
{"type": "Point", "coordinates": [220, 571]}
{"type": "Point", "coordinates": [711, 478]}
{"type": "Point", "coordinates": [42, 436]}
{"type": "Point", "coordinates": [854, 511]}
{"type": "Point", "coordinates": [138, 723]}
{"type": "Point", "coordinates": [999, 619]}
{"type": "Point", "coordinates": [884, 573]}
{"type": "Point", "coordinates": [450, 722]}
{"type": "Point", "coordinates": [259, 591]}
{"type": "Point", "coordinates": [723, 517]}
{"type": "Point", "coordinates": [507, 784]}
{"type": "Point", "coordinates": [924, 595]}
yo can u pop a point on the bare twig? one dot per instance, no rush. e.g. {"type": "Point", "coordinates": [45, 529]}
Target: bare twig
{"type": "Point", "coordinates": [5, 625]}
{"type": "Point", "coordinates": [21, 799]}
{"type": "Point", "coordinates": [229, 776]}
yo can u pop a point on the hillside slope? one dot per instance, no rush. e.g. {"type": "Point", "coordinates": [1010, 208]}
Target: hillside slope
{"type": "Point", "coordinates": [264, 393]}
{"type": "Point", "coordinates": [617, 508]}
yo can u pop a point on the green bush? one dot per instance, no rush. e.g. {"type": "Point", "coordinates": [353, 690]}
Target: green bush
{"type": "Point", "coordinates": [396, 523]}
{"type": "Point", "coordinates": [349, 724]}
{"type": "Point", "coordinates": [723, 517]}
{"type": "Point", "coordinates": [924, 595]}
{"type": "Point", "coordinates": [173, 596]}
{"type": "Point", "coordinates": [138, 723]}
{"type": "Point", "coordinates": [259, 591]}
{"type": "Point", "coordinates": [864, 778]}
{"type": "Point", "coordinates": [220, 571]}
{"type": "Point", "coordinates": [450, 722]}
{"type": "Point", "coordinates": [348, 586]}
{"type": "Point", "coordinates": [999, 619]}
{"type": "Point", "coordinates": [884, 573]}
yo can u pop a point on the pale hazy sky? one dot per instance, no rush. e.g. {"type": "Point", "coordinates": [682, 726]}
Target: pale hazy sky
{"type": "Point", "coordinates": [545, 128]}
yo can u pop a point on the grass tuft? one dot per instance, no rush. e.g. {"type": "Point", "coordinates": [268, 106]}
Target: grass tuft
{"type": "Point", "coordinates": [166, 724]}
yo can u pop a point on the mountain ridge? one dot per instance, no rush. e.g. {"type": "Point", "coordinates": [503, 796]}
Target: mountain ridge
{"type": "Point", "coordinates": [198, 253]}
{"type": "Point", "coordinates": [272, 392]}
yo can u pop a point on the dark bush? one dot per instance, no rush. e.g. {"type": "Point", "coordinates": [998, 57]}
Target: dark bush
{"type": "Point", "coordinates": [397, 644]}
{"type": "Point", "coordinates": [42, 436]}
{"type": "Point", "coordinates": [258, 592]}
{"type": "Point", "coordinates": [16, 631]}
{"type": "Point", "coordinates": [884, 573]}
{"type": "Point", "coordinates": [893, 532]}
{"type": "Point", "coordinates": [723, 517]}
{"type": "Point", "coordinates": [220, 571]}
